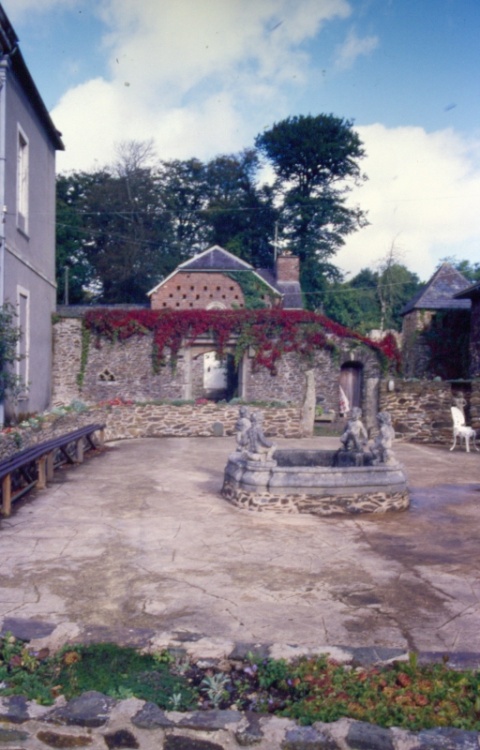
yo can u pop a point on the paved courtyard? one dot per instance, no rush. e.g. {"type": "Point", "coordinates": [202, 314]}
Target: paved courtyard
{"type": "Point", "coordinates": [137, 544]}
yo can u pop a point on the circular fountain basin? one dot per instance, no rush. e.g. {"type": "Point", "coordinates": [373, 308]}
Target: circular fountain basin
{"type": "Point", "coordinates": [319, 482]}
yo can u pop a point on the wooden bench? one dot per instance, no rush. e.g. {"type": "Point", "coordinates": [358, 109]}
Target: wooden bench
{"type": "Point", "coordinates": [71, 446]}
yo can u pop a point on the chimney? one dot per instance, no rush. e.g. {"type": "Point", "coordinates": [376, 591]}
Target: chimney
{"type": "Point", "coordinates": [287, 267]}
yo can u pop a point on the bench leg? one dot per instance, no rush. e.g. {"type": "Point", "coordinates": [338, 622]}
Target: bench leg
{"type": "Point", "coordinates": [42, 473]}
{"type": "Point", "coordinates": [6, 495]}
{"type": "Point", "coordinates": [50, 466]}
{"type": "Point", "coordinates": [79, 451]}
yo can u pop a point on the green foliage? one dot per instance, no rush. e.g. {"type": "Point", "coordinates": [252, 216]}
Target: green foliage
{"type": "Point", "coordinates": [120, 672]}
{"type": "Point", "coordinates": [372, 299]}
{"type": "Point", "coordinates": [308, 689]}
{"type": "Point", "coordinates": [9, 337]}
{"type": "Point", "coordinates": [123, 228]}
{"type": "Point", "coordinates": [315, 160]}
{"type": "Point", "coordinates": [255, 291]}
{"type": "Point", "coordinates": [83, 355]}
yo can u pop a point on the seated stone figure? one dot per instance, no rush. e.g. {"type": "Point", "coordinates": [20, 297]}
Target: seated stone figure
{"type": "Point", "coordinates": [258, 447]}
{"type": "Point", "coordinates": [382, 445]}
{"type": "Point", "coordinates": [355, 436]}
{"type": "Point", "coordinates": [242, 427]}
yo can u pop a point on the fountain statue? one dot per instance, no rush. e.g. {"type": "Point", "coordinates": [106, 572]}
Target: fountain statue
{"type": "Point", "coordinates": [361, 476]}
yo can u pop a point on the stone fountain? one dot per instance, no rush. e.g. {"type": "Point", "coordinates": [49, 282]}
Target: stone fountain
{"type": "Point", "coordinates": [361, 476]}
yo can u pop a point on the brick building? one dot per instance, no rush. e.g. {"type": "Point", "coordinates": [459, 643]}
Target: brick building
{"type": "Point", "coordinates": [216, 279]}
{"type": "Point", "coordinates": [435, 328]}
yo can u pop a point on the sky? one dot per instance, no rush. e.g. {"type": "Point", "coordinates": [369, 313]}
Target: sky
{"type": "Point", "coordinates": [204, 77]}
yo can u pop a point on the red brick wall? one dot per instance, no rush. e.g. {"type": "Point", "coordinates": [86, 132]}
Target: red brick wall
{"type": "Point", "coordinates": [288, 268]}
{"type": "Point", "coordinates": [185, 291]}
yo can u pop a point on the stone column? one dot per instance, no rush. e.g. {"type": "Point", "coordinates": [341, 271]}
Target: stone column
{"type": "Point", "coordinates": [308, 407]}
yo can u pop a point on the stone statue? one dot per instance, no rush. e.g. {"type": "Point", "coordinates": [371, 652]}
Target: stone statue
{"type": "Point", "coordinates": [382, 445]}
{"type": "Point", "coordinates": [242, 427]}
{"type": "Point", "coordinates": [258, 448]}
{"type": "Point", "coordinates": [355, 436]}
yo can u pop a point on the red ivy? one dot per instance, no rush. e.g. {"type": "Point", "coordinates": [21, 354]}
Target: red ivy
{"type": "Point", "coordinates": [271, 333]}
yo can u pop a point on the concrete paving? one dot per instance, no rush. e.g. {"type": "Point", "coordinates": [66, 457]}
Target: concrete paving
{"type": "Point", "coordinates": [137, 544]}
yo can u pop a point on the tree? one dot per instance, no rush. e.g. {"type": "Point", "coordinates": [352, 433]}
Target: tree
{"type": "Point", "coordinates": [373, 299]}
{"type": "Point", "coordinates": [315, 161]}
{"type": "Point", "coordinates": [240, 214]}
{"type": "Point", "coordinates": [110, 234]}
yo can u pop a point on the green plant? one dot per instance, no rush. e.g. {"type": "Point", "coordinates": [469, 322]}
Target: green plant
{"type": "Point", "coordinates": [86, 336]}
{"type": "Point", "coordinates": [214, 687]}
{"type": "Point", "coordinates": [10, 335]}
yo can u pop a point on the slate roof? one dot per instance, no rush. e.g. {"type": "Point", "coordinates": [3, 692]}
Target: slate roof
{"type": "Point", "coordinates": [472, 292]}
{"type": "Point", "coordinates": [441, 292]}
{"type": "Point", "coordinates": [291, 290]}
{"type": "Point", "coordinates": [215, 259]}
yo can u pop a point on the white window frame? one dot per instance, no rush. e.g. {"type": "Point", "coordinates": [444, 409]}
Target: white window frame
{"type": "Point", "coordinates": [22, 366]}
{"type": "Point", "coordinates": [23, 180]}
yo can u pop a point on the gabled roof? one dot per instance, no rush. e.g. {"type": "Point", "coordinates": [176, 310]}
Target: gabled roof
{"type": "Point", "coordinates": [471, 292]}
{"type": "Point", "coordinates": [440, 292]}
{"type": "Point", "coordinates": [215, 258]}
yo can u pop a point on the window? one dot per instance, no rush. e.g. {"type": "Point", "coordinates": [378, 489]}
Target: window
{"type": "Point", "coordinates": [23, 365]}
{"type": "Point", "coordinates": [22, 181]}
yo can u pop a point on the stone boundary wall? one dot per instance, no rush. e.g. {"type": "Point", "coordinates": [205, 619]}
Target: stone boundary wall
{"type": "Point", "coordinates": [151, 420]}
{"type": "Point", "coordinates": [420, 409]}
{"type": "Point", "coordinates": [189, 420]}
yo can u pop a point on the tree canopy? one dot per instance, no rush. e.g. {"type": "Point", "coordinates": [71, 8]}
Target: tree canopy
{"type": "Point", "coordinates": [316, 163]}
{"type": "Point", "coordinates": [124, 227]}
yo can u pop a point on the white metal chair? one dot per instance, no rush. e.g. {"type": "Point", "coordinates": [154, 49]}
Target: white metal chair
{"type": "Point", "coordinates": [461, 430]}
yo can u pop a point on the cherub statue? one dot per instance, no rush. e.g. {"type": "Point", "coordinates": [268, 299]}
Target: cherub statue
{"type": "Point", "coordinates": [382, 445]}
{"type": "Point", "coordinates": [355, 436]}
{"type": "Point", "coordinates": [258, 447]}
{"type": "Point", "coordinates": [242, 427]}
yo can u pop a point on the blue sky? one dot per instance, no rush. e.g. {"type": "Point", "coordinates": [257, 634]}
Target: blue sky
{"type": "Point", "coordinates": [202, 77]}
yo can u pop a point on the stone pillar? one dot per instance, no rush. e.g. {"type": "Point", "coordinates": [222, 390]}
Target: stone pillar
{"type": "Point", "coordinates": [371, 403]}
{"type": "Point", "coordinates": [308, 407]}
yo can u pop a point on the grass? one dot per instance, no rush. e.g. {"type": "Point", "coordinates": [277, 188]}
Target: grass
{"type": "Point", "coordinates": [308, 689]}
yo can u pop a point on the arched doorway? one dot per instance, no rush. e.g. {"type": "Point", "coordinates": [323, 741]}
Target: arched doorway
{"type": "Point", "coordinates": [220, 377]}
{"type": "Point", "coordinates": [351, 385]}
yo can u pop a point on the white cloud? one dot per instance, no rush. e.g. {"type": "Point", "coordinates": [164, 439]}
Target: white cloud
{"type": "Point", "coordinates": [190, 74]}
{"type": "Point", "coordinates": [352, 48]}
{"type": "Point", "coordinates": [422, 193]}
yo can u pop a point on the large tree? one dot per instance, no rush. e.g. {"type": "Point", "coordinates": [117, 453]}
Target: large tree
{"type": "Point", "coordinates": [316, 162]}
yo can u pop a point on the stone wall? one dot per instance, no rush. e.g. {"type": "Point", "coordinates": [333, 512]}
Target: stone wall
{"type": "Point", "coordinates": [415, 350]}
{"type": "Point", "coordinates": [162, 420]}
{"type": "Point", "coordinates": [124, 370]}
{"type": "Point", "coordinates": [420, 409]}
